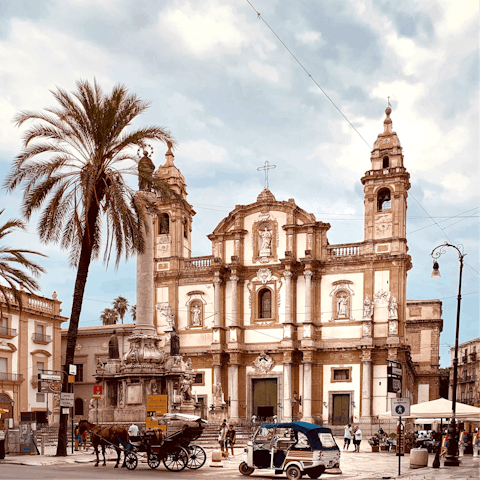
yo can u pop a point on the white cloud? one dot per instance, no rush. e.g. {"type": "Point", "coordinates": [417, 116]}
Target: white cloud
{"type": "Point", "coordinates": [204, 29]}
{"type": "Point", "coordinates": [192, 112]}
{"type": "Point", "coordinates": [264, 71]}
{"type": "Point", "coordinates": [202, 151]}
{"type": "Point", "coordinates": [310, 38]}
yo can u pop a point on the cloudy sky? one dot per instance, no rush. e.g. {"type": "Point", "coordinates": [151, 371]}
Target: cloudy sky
{"type": "Point", "coordinates": [234, 97]}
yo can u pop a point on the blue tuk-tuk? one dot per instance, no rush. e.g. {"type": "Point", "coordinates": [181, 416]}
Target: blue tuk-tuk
{"type": "Point", "coordinates": [294, 448]}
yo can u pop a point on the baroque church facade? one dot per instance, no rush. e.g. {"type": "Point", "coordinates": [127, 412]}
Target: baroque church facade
{"type": "Point", "coordinates": [279, 322]}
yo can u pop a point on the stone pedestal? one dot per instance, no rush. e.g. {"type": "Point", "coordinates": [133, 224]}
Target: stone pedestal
{"type": "Point", "coordinates": [218, 413]}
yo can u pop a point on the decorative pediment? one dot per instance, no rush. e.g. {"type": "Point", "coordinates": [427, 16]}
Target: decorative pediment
{"type": "Point", "coordinates": [263, 363]}
{"type": "Point", "coordinates": [41, 352]}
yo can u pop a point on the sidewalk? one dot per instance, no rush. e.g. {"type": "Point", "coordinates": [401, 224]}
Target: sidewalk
{"type": "Point", "coordinates": [364, 465]}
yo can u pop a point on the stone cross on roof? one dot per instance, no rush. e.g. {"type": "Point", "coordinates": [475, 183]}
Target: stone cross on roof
{"type": "Point", "coordinates": [266, 167]}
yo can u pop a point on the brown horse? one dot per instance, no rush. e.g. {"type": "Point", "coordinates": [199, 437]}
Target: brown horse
{"type": "Point", "coordinates": [105, 437]}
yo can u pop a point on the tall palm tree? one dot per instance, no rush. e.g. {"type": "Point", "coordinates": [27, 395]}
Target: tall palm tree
{"type": "Point", "coordinates": [109, 316]}
{"type": "Point", "coordinates": [120, 305]}
{"type": "Point", "coordinates": [12, 260]}
{"type": "Point", "coordinates": [73, 161]}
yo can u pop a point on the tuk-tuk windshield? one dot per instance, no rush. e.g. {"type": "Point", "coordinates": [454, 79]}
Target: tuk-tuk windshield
{"type": "Point", "coordinates": [327, 440]}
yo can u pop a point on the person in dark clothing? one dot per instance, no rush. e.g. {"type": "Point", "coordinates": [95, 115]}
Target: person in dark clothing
{"type": "Point", "coordinates": [230, 438]}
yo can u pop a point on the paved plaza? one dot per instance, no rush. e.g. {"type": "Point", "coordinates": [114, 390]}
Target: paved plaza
{"type": "Point", "coordinates": [363, 465]}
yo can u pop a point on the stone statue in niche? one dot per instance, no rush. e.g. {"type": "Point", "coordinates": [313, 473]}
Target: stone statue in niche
{"type": "Point", "coordinates": [342, 305]}
{"type": "Point", "coordinates": [392, 327]}
{"type": "Point", "coordinates": [174, 343]}
{"type": "Point", "coordinates": [367, 308]}
{"type": "Point", "coordinates": [113, 346]}
{"type": "Point", "coordinates": [196, 313]}
{"type": "Point", "coordinates": [393, 307]}
{"type": "Point", "coordinates": [266, 247]}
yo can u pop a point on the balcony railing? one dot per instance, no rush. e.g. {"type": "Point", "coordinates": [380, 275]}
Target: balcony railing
{"type": "Point", "coordinates": [465, 379]}
{"type": "Point", "coordinates": [7, 332]}
{"type": "Point", "coordinates": [198, 262]}
{"type": "Point", "coordinates": [464, 359]}
{"type": "Point", "coordinates": [468, 401]}
{"type": "Point", "coordinates": [473, 356]}
{"type": "Point", "coordinates": [42, 338]}
{"type": "Point", "coordinates": [346, 250]}
{"type": "Point", "coordinates": [11, 377]}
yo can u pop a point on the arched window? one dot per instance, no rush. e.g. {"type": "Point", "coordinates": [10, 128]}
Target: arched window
{"type": "Point", "coordinates": [383, 199]}
{"type": "Point", "coordinates": [78, 406]}
{"type": "Point", "coordinates": [163, 224]}
{"type": "Point", "coordinates": [386, 162]}
{"type": "Point", "coordinates": [265, 303]}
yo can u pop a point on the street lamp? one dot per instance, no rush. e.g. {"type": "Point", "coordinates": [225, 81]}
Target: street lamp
{"type": "Point", "coordinates": [451, 459]}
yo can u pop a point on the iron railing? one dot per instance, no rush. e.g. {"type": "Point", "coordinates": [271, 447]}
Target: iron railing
{"type": "Point", "coordinates": [8, 332]}
{"type": "Point", "coordinates": [40, 337]}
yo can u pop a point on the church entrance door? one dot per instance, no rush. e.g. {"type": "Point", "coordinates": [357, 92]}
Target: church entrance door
{"type": "Point", "coordinates": [341, 413]}
{"type": "Point", "coordinates": [264, 397]}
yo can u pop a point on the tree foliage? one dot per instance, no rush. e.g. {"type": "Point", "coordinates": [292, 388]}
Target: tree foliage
{"type": "Point", "coordinates": [72, 170]}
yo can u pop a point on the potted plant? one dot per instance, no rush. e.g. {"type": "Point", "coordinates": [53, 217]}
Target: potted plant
{"type": "Point", "coordinates": [374, 443]}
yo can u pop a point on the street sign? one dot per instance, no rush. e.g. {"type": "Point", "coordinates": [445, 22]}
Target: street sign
{"type": "Point", "coordinates": [72, 370]}
{"type": "Point", "coordinates": [66, 399]}
{"type": "Point", "coordinates": [98, 397]}
{"type": "Point", "coordinates": [50, 376]}
{"type": "Point", "coordinates": [98, 389]}
{"type": "Point", "coordinates": [55, 387]}
{"type": "Point", "coordinates": [394, 385]}
{"type": "Point", "coordinates": [400, 407]}
{"type": "Point", "coordinates": [394, 370]}
{"type": "Point", "coordinates": [157, 405]}
{"type": "Point", "coordinates": [65, 410]}
{"type": "Point", "coordinates": [71, 379]}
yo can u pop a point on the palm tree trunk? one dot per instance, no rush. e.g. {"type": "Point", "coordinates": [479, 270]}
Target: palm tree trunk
{"type": "Point", "coordinates": [78, 293]}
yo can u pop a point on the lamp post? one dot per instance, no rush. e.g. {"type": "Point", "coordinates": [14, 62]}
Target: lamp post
{"type": "Point", "coordinates": [451, 459]}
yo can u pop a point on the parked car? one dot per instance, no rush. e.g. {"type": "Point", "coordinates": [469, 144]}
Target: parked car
{"type": "Point", "coordinates": [294, 448]}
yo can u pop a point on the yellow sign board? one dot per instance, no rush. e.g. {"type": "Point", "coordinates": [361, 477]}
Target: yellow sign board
{"type": "Point", "coordinates": [71, 379]}
{"type": "Point", "coordinates": [156, 406]}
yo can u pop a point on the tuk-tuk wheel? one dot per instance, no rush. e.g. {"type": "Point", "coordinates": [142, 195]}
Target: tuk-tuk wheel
{"type": "Point", "coordinates": [245, 469]}
{"type": "Point", "coordinates": [294, 473]}
{"type": "Point", "coordinates": [131, 461]}
{"type": "Point", "coordinates": [315, 472]}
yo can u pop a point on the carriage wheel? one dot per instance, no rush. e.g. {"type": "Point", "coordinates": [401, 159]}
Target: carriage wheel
{"type": "Point", "coordinates": [153, 461]}
{"type": "Point", "coordinates": [131, 461]}
{"type": "Point", "coordinates": [196, 457]}
{"type": "Point", "coordinates": [176, 459]}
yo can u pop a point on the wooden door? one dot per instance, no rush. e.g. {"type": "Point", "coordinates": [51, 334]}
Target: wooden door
{"type": "Point", "coordinates": [341, 409]}
{"type": "Point", "coordinates": [265, 397]}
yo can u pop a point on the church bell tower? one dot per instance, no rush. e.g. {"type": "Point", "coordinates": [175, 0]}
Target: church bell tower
{"type": "Point", "coordinates": [385, 188]}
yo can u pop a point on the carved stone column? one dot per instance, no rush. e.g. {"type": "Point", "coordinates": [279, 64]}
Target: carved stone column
{"type": "Point", "coordinates": [366, 383]}
{"type": "Point", "coordinates": [234, 279]}
{"type": "Point", "coordinates": [288, 295]}
{"type": "Point", "coordinates": [216, 295]}
{"type": "Point", "coordinates": [145, 279]}
{"type": "Point", "coordinates": [233, 375]}
{"type": "Point", "coordinates": [308, 296]}
{"type": "Point", "coordinates": [307, 388]}
{"type": "Point", "coordinates": [287, 387]}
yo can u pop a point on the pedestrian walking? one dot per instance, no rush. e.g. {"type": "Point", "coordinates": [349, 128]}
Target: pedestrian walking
{"type": "Point", "coordinates": [347, 436]}
{"type": "Point", "coordinates": [358, 439]}
{"type": "Point", "coordinates": [78, 438]}
{"type": "Point", "coordinates": [231, 434]}
{"type": "Point", "coordinates": [222, 437]}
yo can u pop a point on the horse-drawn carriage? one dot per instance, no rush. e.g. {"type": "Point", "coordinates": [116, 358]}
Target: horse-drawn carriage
{"type": "Point", "coordinates": [175, 450]}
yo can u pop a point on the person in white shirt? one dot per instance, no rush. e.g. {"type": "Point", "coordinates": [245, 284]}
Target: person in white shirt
{"type": "Point", "coordinates": [358, 439]}
{"type": "Point", "coordinates": [347, 436]}
{"type": "Point", "coordinates": [133, 431]}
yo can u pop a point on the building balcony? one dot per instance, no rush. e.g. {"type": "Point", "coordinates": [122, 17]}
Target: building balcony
{"type": "Point", "coordinates": [6, 332]}
{"type": "Point", "coordinates": [468, 401]}
{"type": "Point", "coordinates": [197, 263]}
{"type": "Point", "coordinates": [343, 250]}
{"type": "Point", "coordinates": [11, 378]}
{"type": "Point", "coordinates": [465, 379]}
{"type": "Point", "coordinates": [41, 338]}
{"type": "Point", "coordinates": [473, 356]}
{"type": "Point", "coordinates": [464, 359]}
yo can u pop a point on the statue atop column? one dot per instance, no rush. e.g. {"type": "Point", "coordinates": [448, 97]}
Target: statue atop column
{"type": "Point", "coordinates": [174, 343]}
{"type": "Point", "coordinates": [145, 169]}
{"type": "Point", "coordinates": [113, 346]}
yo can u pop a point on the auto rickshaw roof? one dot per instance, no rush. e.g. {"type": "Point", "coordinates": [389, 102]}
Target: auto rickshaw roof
{"type": "Point", "coordinates": [309, 429]}
{"type": "Point", "coordinates": [303, 427]}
